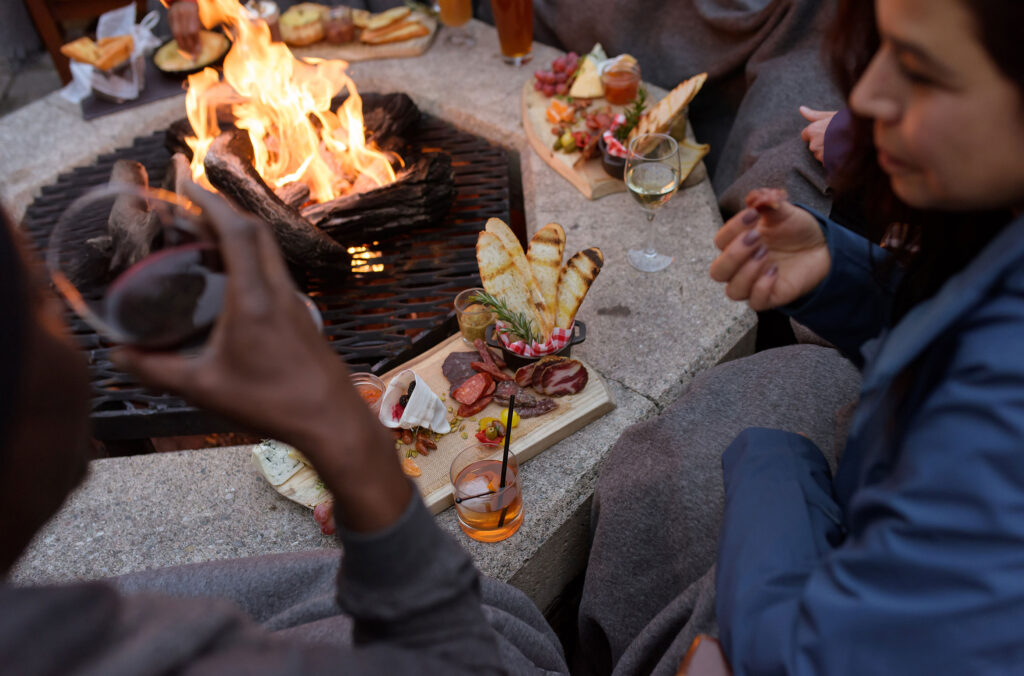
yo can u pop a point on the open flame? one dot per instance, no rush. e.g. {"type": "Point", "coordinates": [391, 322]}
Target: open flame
{"type": "Point", "coordinates": [284, 105]}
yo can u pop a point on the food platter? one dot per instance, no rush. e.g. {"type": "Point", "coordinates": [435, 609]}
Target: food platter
{"type": "Point", "coordinates": [358, 51]}
{"type": "Point", "coordinates": [531, 437]}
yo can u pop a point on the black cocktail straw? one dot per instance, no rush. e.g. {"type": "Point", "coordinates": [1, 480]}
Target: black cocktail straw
{"type": "Point", "coordinates": [504, 457]}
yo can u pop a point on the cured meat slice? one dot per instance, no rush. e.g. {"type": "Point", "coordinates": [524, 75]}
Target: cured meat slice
{"type": "Point", "coordinates": [565, 377]}
{"type": "Point", "coordinates": [490, 369]}
{"type": "Point", "coordinates": [471, 390]}
{"type": "Point", "coordinates": [528, 405]}
{"type": "Point", "coordinates": [543, 364]}
{"type": "Point", "coordinates": [480, 404]}
{"type": "Point", "coordinates": [540, 408]}
{"type": "Point", "coordinates": [457, 367]}
{"type": "Point", "coordinates": [524, 376]}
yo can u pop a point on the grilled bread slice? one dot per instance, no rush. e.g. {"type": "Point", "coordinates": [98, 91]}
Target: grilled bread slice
{"type": "Point", "coordinates": [578, 273]}
{"type": "Point", "coordinates": [387, 17]}
{"type": "Point", "coordinates": [397, 32]}
{"type": "Point", "coordinates": [497, 227]}
{"type": "Point", "coordinates": [659, 119]}
{"type": "Point", "coordinates": [545, 258]}
{"type": "Point", "coordinates": [504, 280]}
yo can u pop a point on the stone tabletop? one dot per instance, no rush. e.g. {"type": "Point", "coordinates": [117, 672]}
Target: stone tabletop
{"type": "Point", "coordinates": [648, 335]}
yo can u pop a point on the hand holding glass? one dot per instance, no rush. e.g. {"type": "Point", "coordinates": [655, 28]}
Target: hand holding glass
{"type": "Point", "coordinates": [652, 177]}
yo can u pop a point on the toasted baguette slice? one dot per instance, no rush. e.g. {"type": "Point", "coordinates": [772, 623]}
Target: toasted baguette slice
{"type": "Point", "coordinates": [361, 18]}
{"type": "Point", "coordinates": [659, 119]}
{"type": "Point", "coordinates": [83, 50]}
{"type": "Point", "coordinates": [497, 227]}
{"type": "Point", "coordinates": [404, 30]}
{"type": "Point", "coordinates": [545, 258]}
{"type": "Point", "coordinates": [388, 17]}
{"type": "Point", "coordinates": [114, 51]}
{"type": "Point", "coordinates": [503, 280]}
{"type": "Point", "coordinates": [578, 273]}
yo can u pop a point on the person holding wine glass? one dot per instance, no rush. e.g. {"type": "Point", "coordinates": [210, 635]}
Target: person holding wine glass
{"type": "Point", "coordinates": [652, 177]}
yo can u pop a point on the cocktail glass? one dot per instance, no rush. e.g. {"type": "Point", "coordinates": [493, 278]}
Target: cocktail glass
{"type": "Point", "coordinates": [514, 21]}
{"type": "Point", "coordinates": [488, 511]}
{"type": "Point", "coordinates": [455, 14]}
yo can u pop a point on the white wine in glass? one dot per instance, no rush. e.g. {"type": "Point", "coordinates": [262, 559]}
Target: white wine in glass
{"type": "Point", "coordinates": [652, 177]}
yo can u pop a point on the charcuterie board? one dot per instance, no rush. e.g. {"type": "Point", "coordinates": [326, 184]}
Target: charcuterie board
{"type": "Point", "coordinates": [358, 51]}
{"type": "Point", "coordinates": [588, 177]}
{"type": "Point", "coordinates": [531, 437]}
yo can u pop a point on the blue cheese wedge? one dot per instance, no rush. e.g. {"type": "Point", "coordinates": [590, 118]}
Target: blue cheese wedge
{"type": "Point", "coordinates": [277, 462]}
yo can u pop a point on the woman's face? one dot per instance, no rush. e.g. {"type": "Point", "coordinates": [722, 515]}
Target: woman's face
{"type": "Point", "coordinates": [948, 125]}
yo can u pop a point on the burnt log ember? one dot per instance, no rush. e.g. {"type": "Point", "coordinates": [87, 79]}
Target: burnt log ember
{"type": "Point", "coordinates": [388, 118]}
{"type": "Point", "coordinates": [229, 168]}
{"type": "Point", "coordinates": [294, 194]}
{"type": "Point", "coordinates": [421, 194]}
{"type": "Point", "coordinates": [132, 228]}
{"type": "Point", "coordinates": [174, 138]}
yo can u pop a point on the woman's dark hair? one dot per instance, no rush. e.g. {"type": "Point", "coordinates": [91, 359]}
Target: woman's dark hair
{"type": "Point", "coordinates": [934, 245]}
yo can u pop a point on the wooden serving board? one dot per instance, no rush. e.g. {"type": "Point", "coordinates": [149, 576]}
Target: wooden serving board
{"type": "Point", "coordinates": [589, 177]}
{"type": "Point", "coordinates": [532, 436]}
{"type": "Point", "coordinates": [358, 51]}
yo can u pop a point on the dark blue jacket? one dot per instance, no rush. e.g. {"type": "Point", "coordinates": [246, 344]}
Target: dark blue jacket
{"type": "Point", "coordinates": [911, 560]}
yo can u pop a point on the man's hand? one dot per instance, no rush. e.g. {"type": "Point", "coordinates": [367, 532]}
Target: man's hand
{"type": "Point", "coordinates": [184, 19]}
{"type": "Point", "coordinates": [814, 133]}
{"type": "Point", "coordinates": [266, 366]}
{"type": "Point", "coordinates": [772, 252]}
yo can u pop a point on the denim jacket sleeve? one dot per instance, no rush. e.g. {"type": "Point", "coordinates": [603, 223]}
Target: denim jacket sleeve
{"type": "Point", "coordinates": [851, 305]}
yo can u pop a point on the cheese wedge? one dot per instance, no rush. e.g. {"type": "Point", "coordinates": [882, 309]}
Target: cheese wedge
{"type": "Point", "coordinates": [503, 279]}
{"type": "Point", "coordinates": [275, 461]}
{"type": "Point", "coordinates": [578, 273]}
{"type": "Point", "coordinates": [497, 227]}
{"type": "Point", "coordinates": [545, 258]}
{"type": "Point", "coordinates": [588, 81]}
{"type": "Point", "coordinates": [659, 119]}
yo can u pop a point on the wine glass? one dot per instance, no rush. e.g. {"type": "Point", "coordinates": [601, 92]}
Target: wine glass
{"type": "Point", "coordinates": [455, 14]}
{"type": "Point", "coordinates": [652, 177]}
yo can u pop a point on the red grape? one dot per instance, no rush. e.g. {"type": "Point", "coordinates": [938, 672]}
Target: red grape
{"type": "Point", "coordinates": [561, 88]}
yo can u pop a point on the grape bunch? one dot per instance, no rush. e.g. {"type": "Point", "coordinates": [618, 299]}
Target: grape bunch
{"type": "Point", "coordinates": [559, 78]}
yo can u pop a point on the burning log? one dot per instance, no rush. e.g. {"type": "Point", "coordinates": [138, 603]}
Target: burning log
{"type": "Point", "coordinates": [229, 167]}
{"type": "Point", "coordinates": [178, 171]}
{"type": "Point", "coordinates": [174, 138]}
{"type": "Point", "coordinates": [294, 194]}
{"type": "Point", "coordinates": [421, 193]}
{"type": "Point", "coordinates": [387, 118]}
{"type": "Point", "coordinates": [132, 228]}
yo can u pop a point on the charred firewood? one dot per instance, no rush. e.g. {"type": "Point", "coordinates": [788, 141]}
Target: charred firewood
{"type": "Point", "coordinates": [132, 228]}
{"type": "Point", "coordinates": [294, 194]}
{"type": "Point", "coordinates": [388, 119]}
{"type": "Point", "coordinates": [421, 195]}
{"type": "Point", "coordinates": [174, 138]}
{"type": "Point", "coordinates": [229, 167]}
{"type": "Point", "coordinates": [89, 268]}
{"type": "Point", "coordinates": [178, 172]}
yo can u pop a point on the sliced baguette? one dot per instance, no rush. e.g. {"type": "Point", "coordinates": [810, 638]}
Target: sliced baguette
{"type": "Point", "coordinates": [659, 119]}
{"type": "Point", "coordinates": [386, 18]}
{"type": "Point", "coordinates": [83, 50]}
{"type": "Point", "coordinates": [404, 30]}
{"type": "Point", "coordinates": [545, 258]}
{"type": "Point", "coordinates": [497, 227]}
{"type": "Point", "coordinates": [578, 273]}
{"type": "Point", "coordinates": [502, 278]}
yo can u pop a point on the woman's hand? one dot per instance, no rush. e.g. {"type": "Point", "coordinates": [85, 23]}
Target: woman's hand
{"type": "Point", "coordinates": [814, 133]}
{"type": "Point", "coordinates": [184, 19]}
{"type": "Point", "coordinates": [266, 366]}
{"type": "Point", "coordinates": [772, 252]}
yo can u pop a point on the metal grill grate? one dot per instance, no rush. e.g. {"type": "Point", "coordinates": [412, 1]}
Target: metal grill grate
{"type": "Point", "coordinates": [374, 319]}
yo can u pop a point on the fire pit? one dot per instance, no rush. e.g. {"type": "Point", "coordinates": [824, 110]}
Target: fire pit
{"type": "Point", "coordinates": [394, 304]}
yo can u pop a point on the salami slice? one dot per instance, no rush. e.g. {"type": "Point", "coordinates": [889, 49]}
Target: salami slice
{"type": "Point", "coordinates": [480, 404]}
{"type": "Point", "coordinates": [490, 369]}
{"type": "Point", "coordinates": [471, 390]}
{"type": "Point", "coordinates": [457, 367]}
{"type": "Point", "coordinates": [540, 407]}
{"type": "Point", "coordinates": [490, 389]}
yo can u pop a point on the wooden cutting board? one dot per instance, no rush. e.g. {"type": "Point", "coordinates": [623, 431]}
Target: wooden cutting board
{"type": "Point", "coordinates": [532, 436]}
{"type": "Point", "coordinates": [589, 177]}
{"type": "Point", "coordinates": [358, 51]}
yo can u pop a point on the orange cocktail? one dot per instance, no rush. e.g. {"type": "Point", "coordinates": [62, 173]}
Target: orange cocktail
{"type": "Point", "coordinates": [487, 511]}
{"type": "Point", "coordinates": [514, 21]}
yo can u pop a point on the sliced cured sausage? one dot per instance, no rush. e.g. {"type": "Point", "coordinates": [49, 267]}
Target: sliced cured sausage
{"type": "Point", "coordinates": [457, 367]}
{"type": "Point", "coordinates": [471, 390]}
{"type": "Point", "coordinates": [480, 404]}
{"type": "Point", "coordinates": [490, 369]}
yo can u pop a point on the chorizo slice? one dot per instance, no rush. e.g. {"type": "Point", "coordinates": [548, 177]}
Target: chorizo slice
{"type": "Point", "coordinates": [480, 404]}
{"type": "Point", "coordinates": [472, 389]}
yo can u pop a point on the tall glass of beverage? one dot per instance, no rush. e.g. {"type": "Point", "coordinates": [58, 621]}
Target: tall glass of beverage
{"type": "Point", "coordinates": [487, 511]}
{"type": "Point", "coordinates": [455, 14]}
{"type": "Point", "coordinates": [514, 21]}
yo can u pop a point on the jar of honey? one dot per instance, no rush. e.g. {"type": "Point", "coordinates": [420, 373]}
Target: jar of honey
{"type": "Point", "coordinates": [339, 27]}
{"type": "Point", "coordinates": [621, 80]}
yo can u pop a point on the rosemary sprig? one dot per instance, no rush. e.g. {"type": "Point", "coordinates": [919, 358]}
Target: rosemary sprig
{"type": "Point", "coordinates": [633, 113]}
{"type": "Point", "coordinates": [520, 325]}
